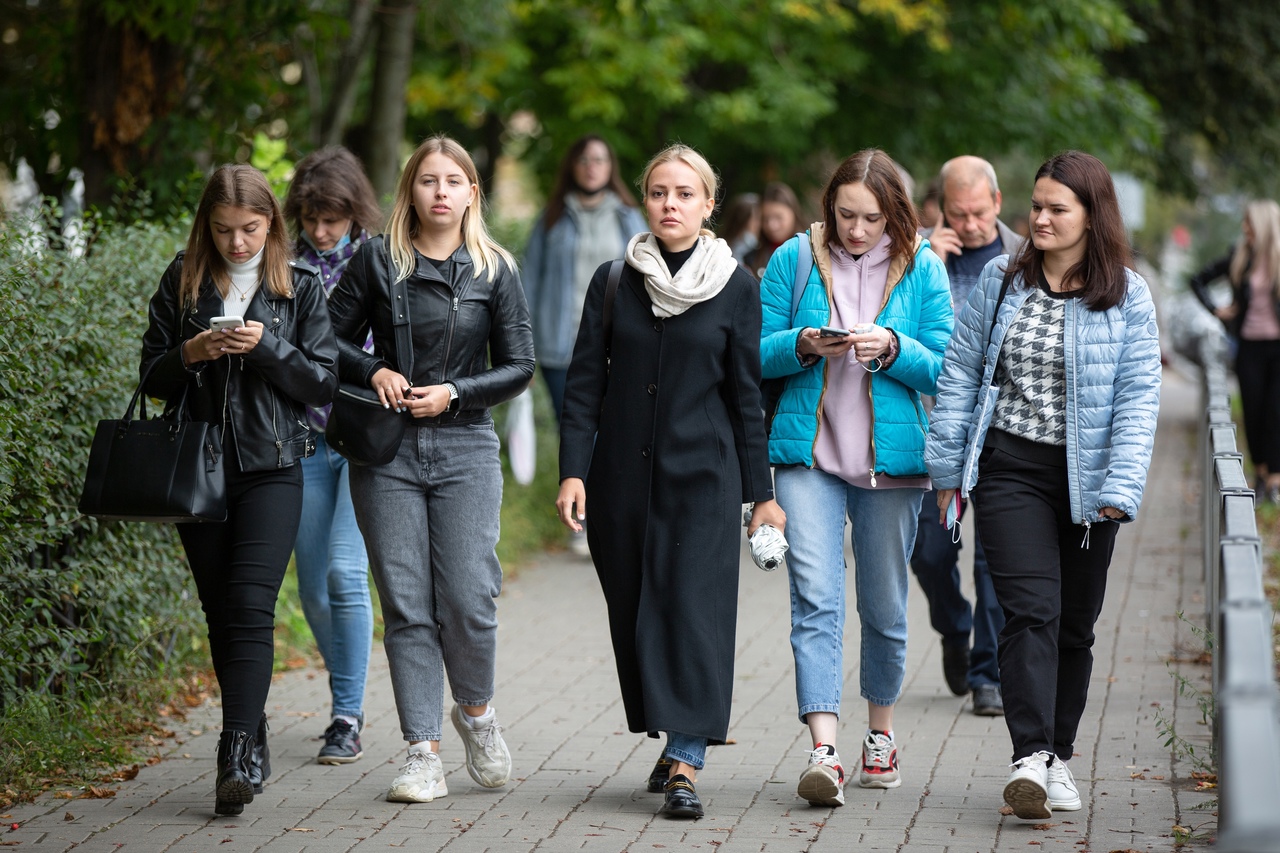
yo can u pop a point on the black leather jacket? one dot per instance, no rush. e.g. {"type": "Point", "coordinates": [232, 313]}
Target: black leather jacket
{"type": "Point", "coordinates": [1240, 291]}
{"type": "Point", "coordinates": [258, 398]}
{"type": "Point", "coordinates": [468, 330]}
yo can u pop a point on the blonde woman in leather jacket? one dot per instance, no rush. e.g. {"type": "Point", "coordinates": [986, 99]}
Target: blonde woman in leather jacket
{"type": "Point", "coordinates": [430, 517]}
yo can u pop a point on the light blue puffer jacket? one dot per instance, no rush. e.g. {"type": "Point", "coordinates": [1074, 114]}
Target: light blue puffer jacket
{"type": "Point", "coordinates": [917, 306]}
{"type": "Point", "coordinates": [1113, 394]}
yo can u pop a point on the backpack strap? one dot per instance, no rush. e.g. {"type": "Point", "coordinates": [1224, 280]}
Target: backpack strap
{"type": "Point", "coordinates": [610, 294]}
{"type": "Point", "coordinates": [804, 266]}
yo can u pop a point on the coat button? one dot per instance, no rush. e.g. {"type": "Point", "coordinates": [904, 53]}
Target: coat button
{"type": "Point", "coordinates": [645, 453]}
{"type": "Point", "coordinates": [652, 389]}
{"type": "Point", "coordinates": [275, 319]}
{"type": "Point", "coordinates": [657, 327]}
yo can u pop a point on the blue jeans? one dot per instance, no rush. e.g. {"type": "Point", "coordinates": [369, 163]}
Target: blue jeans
{"type": "Point", "coordinates": [690, 749]}
{"type": "Point", "coordinates": [431, 519]}
{"type": "Point", "coordinates": [333, 578]}
{"type": "Point", "coordinates": [884, 531]}
{"type": "Point", "coordinates": [935, 561]}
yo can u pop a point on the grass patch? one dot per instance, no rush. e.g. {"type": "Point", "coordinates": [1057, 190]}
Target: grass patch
{"type": "Point", "coordinates": [81, 749]}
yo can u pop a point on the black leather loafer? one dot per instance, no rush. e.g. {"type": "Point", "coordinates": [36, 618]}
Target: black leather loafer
{"type": "Point", "coordinates": [682, 801]}
{"type": "Point", "coordinates": [658, 776]}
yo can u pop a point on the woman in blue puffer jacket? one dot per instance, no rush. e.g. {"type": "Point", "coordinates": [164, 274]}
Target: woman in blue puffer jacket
{"type": "Point", "coordinates": [1046, 412]}
{"type": "Point", "coordinates": [848, 438]}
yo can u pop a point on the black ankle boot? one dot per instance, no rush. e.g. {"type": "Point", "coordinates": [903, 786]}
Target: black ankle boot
{"type": "Point", "coordinates": [260, 758]}
{"type": "Point", "coordinates": [233, 789]}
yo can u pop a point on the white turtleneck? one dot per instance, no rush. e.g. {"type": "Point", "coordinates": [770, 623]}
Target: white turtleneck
{"type": "Point", "coordinates": [245, 279]}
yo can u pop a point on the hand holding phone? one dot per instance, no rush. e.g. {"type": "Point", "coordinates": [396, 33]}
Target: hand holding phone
{"type": "Point", "coordinates": [217, 324]}
{"type": "Point", "coordinates": [832, 332]}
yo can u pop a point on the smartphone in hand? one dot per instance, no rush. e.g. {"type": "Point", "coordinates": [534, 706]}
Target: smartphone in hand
{"type": "Point", "coordinates": [217, 324]}
{"type": "Point", "coordinates": [832, 332]}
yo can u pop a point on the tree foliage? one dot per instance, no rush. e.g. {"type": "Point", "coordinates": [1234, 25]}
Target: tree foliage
{"type": "Point", "coordinates": [155, 91]}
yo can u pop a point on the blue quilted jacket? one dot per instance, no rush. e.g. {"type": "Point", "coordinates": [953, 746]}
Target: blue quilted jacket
{"type": "Point", "coordinates": [917, 306]}
{"type": "Point", "coordinates": [1113, 394]}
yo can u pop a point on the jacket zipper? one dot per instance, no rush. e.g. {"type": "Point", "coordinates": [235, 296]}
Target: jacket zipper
{"type": "Point", "coordinates": [449, 326]}
{"type": "Point", "coordinates": [871, 397]}
{"type": "Point", "coordinates": [1068, 342]}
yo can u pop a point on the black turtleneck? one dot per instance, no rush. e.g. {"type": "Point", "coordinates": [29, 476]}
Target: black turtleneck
{"type": "Point", "coordinates": [675, 260]}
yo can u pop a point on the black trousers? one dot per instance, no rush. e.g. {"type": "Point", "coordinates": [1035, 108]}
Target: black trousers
{"type": "Point", "coordinates": [1049, 583]}
{"type": "Point", "coordinates": [1258, 369]}
{"type": "Point", "coordinates": [238, 566]}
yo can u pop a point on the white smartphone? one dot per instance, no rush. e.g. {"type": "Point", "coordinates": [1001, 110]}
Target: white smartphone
{"type": "Point", "coordinates": [217, 324]}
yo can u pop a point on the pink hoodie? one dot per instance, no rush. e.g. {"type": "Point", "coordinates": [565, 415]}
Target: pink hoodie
{"type": "Point", "coordinates": [843, 447]}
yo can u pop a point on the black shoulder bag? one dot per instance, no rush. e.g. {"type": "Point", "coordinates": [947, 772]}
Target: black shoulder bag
{"type": "Point", "coordinates": [165, 469]}
{"type": "Point", "coordinates": [359, 427]}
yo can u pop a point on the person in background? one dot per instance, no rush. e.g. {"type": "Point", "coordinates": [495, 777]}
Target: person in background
{"type": "Point", "coordinates": [780, 216]}
{"type": "Point", "coordinates": [1253, 319]}
{"type": "Point", "coordinates": [431, 516]}
{"type": "Point", "coordinates": [848, 441]}
{"type": "Point", "coordinates": [588, 220]}
{"type": "Point", "coordinates": [931, 206]}
{"type": "Point", "coordinates": [333, 209]}
{"type": "Point", "coordinates": [1046, 414]}
{"type": "Point", "coordinates": [740, 225]}
{"type": "Point", "coordinates": [661, 443]}
{"type": "Point", "coordinates": [254, 381]}
{"type": "Point", "coordinates": [971, 234]}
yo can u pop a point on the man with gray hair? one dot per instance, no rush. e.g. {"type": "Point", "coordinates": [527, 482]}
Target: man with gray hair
{"type": "Point", "coordinates": [969, 236]}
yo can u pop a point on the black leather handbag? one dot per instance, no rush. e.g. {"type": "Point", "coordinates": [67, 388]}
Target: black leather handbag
{"type": "Point", "coordinates": [359, 427]}
{"type": "Point", "coordinates": [165, 469]}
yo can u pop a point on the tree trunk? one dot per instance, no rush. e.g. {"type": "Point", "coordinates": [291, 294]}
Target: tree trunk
{"type": "Point", "coordinates": [394, 59]}
{"type": "Point", "coordinates": [346, 73]}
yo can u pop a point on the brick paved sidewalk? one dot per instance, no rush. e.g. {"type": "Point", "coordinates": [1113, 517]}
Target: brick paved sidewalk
{"type": "Point", "coordinates": [580, 775]}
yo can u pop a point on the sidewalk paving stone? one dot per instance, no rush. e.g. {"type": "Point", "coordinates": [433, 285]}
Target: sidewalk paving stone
{"type": "Point", "coordinates": [579, 775]}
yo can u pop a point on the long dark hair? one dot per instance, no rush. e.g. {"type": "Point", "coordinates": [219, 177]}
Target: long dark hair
{"type": "Point", "coordinates": [331, 180]}
{"type": "Point", "coordinates": [876, 170]}
{"type": "Point", "coordinates": [1101, 272]}
{"type": "Point", "coordinates": [235, 185]}
{"type": "Point", "coordinates": [566, 184]}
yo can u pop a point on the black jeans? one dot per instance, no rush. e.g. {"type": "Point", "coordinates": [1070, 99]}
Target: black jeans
{"type": "Point", "coordinates": [1258, 369]}
{"type": "Point", "coordinates": [1050, 584]}
{"type": "Point", "coordinates": [935, 562]}
{"type": "Point", "coordinates": [238, 566]}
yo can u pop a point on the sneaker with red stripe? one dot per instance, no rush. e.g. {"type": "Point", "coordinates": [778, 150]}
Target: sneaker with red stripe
{"type": "Point", "coordinates": [822, 782]}
{"type": "Point", "coordinates": [879, 761]}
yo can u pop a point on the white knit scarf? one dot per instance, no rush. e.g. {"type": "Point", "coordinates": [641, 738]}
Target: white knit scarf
{"type": "Point", "coordinates": [703, 275]}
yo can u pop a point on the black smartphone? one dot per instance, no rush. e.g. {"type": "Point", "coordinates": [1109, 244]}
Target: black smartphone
{"type": "Point", "coordinates": [832, 332]}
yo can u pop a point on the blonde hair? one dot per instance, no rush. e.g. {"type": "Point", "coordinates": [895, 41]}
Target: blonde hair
{"type": "Point", "coordinates": [1263, 216]}
{"type": "Point", "coordinates": [235, 185]}
{"type": "Point", "coordinates": [692, 159]}
{"type": "Point", "coordinates": [403, 225]}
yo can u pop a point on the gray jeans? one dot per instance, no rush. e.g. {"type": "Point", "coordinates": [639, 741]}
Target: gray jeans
{"type": "Point", "coordinates": [430, 520]}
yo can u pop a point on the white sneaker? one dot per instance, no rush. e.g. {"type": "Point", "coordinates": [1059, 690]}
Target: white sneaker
{"type": "Point", "coordinates": [822, 782]}
{"type": "Point", "coordinates": [488, 760]}
{"type": "Point", "coordinates": [1064, 796]}
{"type": "Point", "coordinates": [421, 779]}
{"type": "Point", "coordinates": [1027, 790]}
{"type": "Point", "coordinates": [879, 762]}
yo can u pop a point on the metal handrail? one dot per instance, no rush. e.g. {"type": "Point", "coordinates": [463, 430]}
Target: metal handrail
{"type": "Point", "coordinates": [1247, 700]}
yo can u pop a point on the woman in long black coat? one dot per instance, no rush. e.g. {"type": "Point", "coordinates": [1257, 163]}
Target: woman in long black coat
{"type": "Point", "coordinates": [663, 423]}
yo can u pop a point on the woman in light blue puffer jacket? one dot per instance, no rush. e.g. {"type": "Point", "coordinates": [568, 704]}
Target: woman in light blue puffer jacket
{"type": "Point", "coordinates": [1046, 412]}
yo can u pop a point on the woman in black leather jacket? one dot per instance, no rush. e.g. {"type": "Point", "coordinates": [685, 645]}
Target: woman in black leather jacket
{"type": "Point", "coordinates": [254, 381]}
{"type": "Point", "coordinates": [1253, 319]}
{"type": "Point", "coordinates": [430, 516]}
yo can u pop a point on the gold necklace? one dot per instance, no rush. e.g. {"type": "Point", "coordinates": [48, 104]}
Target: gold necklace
{"type": "Point", "coordinates": [243, 294]}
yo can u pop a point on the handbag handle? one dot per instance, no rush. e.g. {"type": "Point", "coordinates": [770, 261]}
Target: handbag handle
{"type": "Point", "coordinates": [139, 399]}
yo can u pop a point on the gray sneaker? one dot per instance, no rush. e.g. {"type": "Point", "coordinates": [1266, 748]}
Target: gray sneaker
{"type": "Point", "coordinates": [488, 759]}
{"type": "Point", "coordinates": [421, 779]}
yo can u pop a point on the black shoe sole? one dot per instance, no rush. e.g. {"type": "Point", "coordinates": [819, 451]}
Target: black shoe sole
{"type": "Point", "coordinates": [686, 813]}
{"type": "Point", "coordinates": [235, 790]}
{"type": "Point", "coordinates": [224, 808]}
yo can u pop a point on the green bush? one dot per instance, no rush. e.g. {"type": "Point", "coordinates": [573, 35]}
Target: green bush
{"type": "Point", "coordinates": [86, 606]}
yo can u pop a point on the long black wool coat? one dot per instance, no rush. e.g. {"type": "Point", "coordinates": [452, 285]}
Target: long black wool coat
{"type": "Point", "coordinates": [670, 440]}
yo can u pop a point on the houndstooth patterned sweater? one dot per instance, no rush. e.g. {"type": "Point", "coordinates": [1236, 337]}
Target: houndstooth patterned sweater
{"type": "Point", "coordinates": [1032, 376]}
